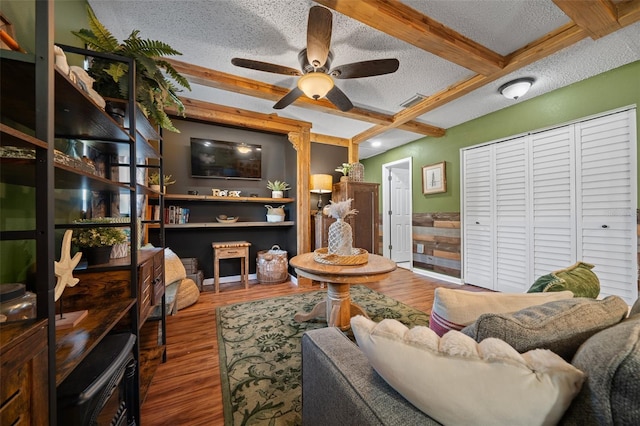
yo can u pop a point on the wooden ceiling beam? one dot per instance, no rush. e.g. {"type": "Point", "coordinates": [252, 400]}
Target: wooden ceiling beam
{"type": "Point", "coordinates": [232, 83]}
{"type": "Point", "coordinates": [628, 12]}
{"type": "Point", "coordinates": [402, 22]}
{"type": "Point", "coordinates": [330, 140]}
{"type": "Point", "coordinates": [547, 45]}
{"type": "Point", "coordinates": [237, 117]}
{"type": "Point", "coordinates": [206, 111]}
{"type": "Point", "coordinates": [596, 17]}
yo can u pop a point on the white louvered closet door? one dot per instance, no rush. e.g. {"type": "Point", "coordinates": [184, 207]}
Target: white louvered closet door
{"type": "Point", "coordinates": [512, 216]}
{"type": "Point", "coordinates": [606, 192]}
{"type": "Point", "coordinates": [478, 216]}
{"type": "Point", "coordinates": [553, 226]}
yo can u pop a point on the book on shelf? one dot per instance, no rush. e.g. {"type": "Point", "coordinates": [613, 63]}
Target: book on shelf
{"type": "Point", "coordinates": [175, 215]}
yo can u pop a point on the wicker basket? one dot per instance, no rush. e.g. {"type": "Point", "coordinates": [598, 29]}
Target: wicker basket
{"type": "Point", "coordinates": [272, 266]}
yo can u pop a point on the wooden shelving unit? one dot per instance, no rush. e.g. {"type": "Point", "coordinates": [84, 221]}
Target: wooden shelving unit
{"type": "Point", "coordinates": [112, 300]}
{"type": "Point", "coordinates": [226, 225]}
{"type": "Point", "coordinates": [259, 200]}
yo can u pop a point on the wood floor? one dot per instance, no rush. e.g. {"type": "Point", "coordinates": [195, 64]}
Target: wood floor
{"type": "Point", "coordinates": [186, 389]}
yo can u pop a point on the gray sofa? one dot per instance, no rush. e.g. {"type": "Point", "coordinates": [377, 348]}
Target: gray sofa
{"type": "Point", "coordinates": [339, 387]}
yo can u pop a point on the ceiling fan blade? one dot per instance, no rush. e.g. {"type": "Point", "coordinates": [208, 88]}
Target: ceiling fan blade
{"type": "Point", "coordinates": [264, 66]}
{"type": "Point", "coordinates": [288, 99]}
{"type": "Point", "coordinates": [319, 35]}
{"type": "Point", "coordinates": [339, 99]}
{"type": "Point", "coordinates": [365, 68]}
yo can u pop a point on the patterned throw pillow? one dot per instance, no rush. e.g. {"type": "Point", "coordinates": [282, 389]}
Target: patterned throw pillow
{"type": "Point", "coordinates": [577, 278]}
{"type": "Point", "coordinates": [560, 326]}
{"type": "Point", "coordinates": [454, 309]}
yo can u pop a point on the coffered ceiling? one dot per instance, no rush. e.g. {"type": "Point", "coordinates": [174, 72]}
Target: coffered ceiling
{"type": "Point", "coordinates": [453, 55]}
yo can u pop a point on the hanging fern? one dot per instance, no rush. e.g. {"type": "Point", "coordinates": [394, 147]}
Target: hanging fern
{"type": "Point", "coordinates": [154, 91]}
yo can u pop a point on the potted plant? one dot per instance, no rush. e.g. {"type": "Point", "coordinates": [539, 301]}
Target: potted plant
{"type": "Point", "coordinates": [96, 243]}
{"type": "Point", "coordinates": [277, 188]}
{"type": "Point", "coordinates": [154, 90]}
{"type": "Point", "coordinates": [344, 169]}
{"type": "Point", "coordinates": [154, 181]}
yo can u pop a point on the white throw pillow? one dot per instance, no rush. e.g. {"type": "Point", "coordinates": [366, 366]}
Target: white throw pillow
{"type": "Point", "coordinates": [454, 309]}
{"type": "Point", "coordinates": [173, 268]}
{"type": "Point", "coordinates": [463, 382]}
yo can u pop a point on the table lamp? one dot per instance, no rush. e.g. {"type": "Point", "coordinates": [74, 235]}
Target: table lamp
{"type": "Point", "coordinates": [321, 184]}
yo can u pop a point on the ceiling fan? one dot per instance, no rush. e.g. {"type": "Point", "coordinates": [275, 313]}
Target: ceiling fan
{"type": "Point", "coordinates": [316, 78]}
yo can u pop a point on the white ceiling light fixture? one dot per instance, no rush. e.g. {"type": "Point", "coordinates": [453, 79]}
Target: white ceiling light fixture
{"type": "Point", "coordinates": [315, 85]}
{"type": "Point", "coordinates": [516, 88]}
{"type": "Point", "coordinates": [376, 144]}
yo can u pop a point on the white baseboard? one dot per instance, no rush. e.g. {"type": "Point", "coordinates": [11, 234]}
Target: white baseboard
{"type": "Point", "coordinates": [437, 276]}
{"type": "Point", "coordinates": [228, 279]}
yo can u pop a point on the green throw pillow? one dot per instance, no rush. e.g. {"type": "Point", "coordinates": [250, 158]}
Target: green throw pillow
{"type": "Point", "coordinates": [577, 278]}
{"type": "Point", "coordinates": [546, 283]}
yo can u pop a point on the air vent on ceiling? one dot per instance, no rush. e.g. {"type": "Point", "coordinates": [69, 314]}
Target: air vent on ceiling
{"type": "Point", "coordinates": [412, 100]}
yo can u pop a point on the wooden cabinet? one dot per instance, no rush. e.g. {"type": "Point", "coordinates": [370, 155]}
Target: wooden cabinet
{"type": "Point", "coordinates": [23, 394]}
{"type": "Point", "coordinates": [145, 290]}
{"type": "Point", "coordinates": [366, 223]}
{"type": "Point", "coordinates": [320, 230]}
{"type": "Point", "coordinates": [150, 284]}
{"type": "Point", "coordinates": [158, 278]}
{"type": "Point", "coordinates": [112, 287]}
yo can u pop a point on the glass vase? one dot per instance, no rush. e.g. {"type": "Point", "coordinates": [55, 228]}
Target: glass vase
{"type": "Point", "coordinates": [340, 238]}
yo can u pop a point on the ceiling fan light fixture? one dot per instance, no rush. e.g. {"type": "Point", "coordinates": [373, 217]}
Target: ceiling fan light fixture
{"type": "Point", "coordinates": [516, 88]}
{"type": "Point", "coordinates": [315, 85]}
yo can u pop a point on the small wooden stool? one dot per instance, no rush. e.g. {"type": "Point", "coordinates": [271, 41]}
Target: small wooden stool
{"type": "Point", "coordinates": [231, 250]}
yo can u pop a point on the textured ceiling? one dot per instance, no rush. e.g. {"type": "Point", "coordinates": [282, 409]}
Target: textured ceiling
{"type": "Point", "coordinates": [210, 33]}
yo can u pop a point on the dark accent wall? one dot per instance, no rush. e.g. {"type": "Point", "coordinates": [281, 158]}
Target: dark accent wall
{"type": "Point", "coordinates": [279, 161]}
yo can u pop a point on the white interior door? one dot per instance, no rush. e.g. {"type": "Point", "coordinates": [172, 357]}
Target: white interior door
{"type": "Point", "coordinates": [397, 211]}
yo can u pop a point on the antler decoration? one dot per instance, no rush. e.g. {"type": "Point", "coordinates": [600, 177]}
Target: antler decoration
{"type": "Point", "coordinates": [64, 268]}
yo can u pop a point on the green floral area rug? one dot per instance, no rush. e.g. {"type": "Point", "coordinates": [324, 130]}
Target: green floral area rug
{"type": "Point", "coordinates": [260, 352]}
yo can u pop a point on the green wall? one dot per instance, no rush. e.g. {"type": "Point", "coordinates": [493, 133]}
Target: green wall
{"type": "Point", "coordinates": [16, 202]}
{"type": "Point", "coordinates": [70, 15]}
{"type": "Point", "coordinates": [613, 89]}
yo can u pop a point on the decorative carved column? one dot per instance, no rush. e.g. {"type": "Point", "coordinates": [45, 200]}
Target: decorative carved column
{"type": "Point", "coordinates": [301, 141]}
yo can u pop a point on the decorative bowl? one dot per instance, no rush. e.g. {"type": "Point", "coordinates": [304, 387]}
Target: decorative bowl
{"type": "Point", "coordinates": [227, 219]}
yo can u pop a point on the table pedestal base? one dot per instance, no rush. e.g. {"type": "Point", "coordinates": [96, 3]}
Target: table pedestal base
{"type": "Point", "coordinates": [337, 308]}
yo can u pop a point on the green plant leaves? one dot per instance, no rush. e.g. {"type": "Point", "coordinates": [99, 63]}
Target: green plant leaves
{"type": "Point", "coordinates": [157, 82]}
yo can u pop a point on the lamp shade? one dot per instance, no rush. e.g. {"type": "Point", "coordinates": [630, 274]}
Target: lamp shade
{"type": "Point", "coordinates": [315, 85]}
{"type": "Point", "coordinates": [321, 184]}
{"type": "Point", "coordinates": [516, 88]}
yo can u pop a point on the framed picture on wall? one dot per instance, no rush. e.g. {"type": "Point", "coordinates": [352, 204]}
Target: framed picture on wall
{"type": "Point", "coordinates": [434, 178]}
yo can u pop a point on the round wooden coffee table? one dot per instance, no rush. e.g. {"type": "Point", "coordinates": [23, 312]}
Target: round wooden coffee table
{"type": "Point", "coordinates": [338, 308]}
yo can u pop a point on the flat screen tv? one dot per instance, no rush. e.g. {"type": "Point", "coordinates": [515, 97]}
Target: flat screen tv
{"type": "Point", "coordinates": [225, 160]}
